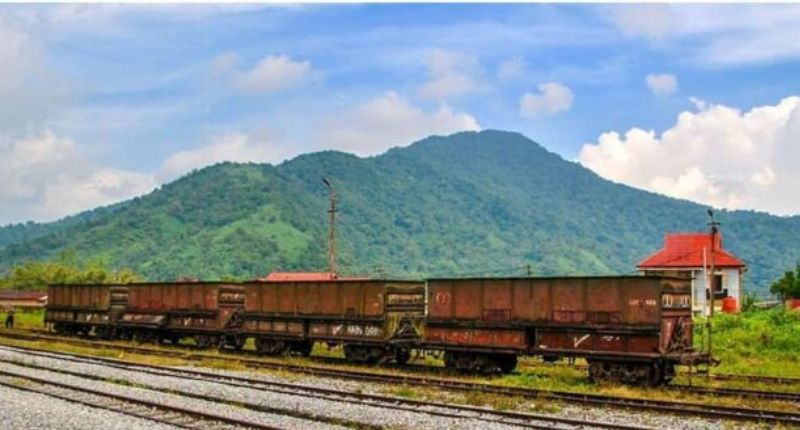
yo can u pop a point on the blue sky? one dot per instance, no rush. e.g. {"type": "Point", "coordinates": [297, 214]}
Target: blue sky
{"type": "Point", "coordinates": [110, 101]}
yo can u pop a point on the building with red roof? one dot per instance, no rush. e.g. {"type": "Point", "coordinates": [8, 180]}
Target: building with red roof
{"type": "Point", "coordinates": [690, 254]}
{"type": "Point", "coordinates": [308, 277]}
{"type": "Point", "coordinates": [22, 299]}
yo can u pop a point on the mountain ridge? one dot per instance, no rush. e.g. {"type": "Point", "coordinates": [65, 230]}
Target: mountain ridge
{"type": "Point", "coordinates": [468, 203]}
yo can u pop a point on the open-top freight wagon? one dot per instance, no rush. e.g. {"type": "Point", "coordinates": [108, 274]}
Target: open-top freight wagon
{"type": "Point", "coordinates": [374, 320]}
{"type": "Point", "coordinates": [85, 309]}
{"type": "Point", "coordinates": [208, 312]}
{"type": "Point", "coordinates": [628, 328]}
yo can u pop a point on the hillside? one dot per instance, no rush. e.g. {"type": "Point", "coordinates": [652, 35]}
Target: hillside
{"type": "Point", "coordinates": [472, 203]}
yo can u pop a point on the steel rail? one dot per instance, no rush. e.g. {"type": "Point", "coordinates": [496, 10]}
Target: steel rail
{"type": "Point", "coordinates": [288, 388]}
{"type": "Point", "coordinates": [675, 407]}
{"type": "Point", "coordinates": [205, 416]}
{"type": "Point", "coordinates": [778, 380]}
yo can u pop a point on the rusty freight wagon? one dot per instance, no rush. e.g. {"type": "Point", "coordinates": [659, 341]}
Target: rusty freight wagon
{"type": "Point", "coordinates": [207, 312]}
{"type": "Point", "coordinates": [629, 328]}
{"type": "Point", "coordinates": [85, 309]}
{"type": "Point", "coordinates": [375, 320]}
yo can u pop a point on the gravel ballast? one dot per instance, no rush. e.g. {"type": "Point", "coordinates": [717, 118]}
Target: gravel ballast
{"type": "Point", "coordinates": [23, 410]}
{"type": "Point", "coordinates": [308, 403]}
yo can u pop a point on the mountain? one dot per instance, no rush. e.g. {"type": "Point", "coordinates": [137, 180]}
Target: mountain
{"type": "Point", "coordinates": [473, 203]}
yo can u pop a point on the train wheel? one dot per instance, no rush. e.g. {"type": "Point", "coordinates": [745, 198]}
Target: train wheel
{"type": "Point", "coordinates": [402, 355]}
{"type": "Point", "coordinates": [233, 341]}
{"type": "Point", "coordinates": [599, 371]}
{"type": "Point", "coordinates": [203, 341]}
{"type": "Point", "coordinates": [551, 358]}
{"type": "Point", "coordinates": [171, 339]}
{"type": "Point", "coordinates": [449, 360]}
{"type": "Point", "coordinates": [472, 362]}
{"type": "Point", "coordinates": [104, 332]}
{"type": "Point", "coordinates": [238, 342]}
{"type": "Point", "coordinates": [364, 354]}
{"type": "Point", "coordinates": [268, 346]}
{"type": "Point", "coordinates": [668, 373]}
{"type": "Point", "coordinates": [144, 336]}
{"type": "Point", "coordinates": [507, 363]}
{"type": "Point", "coordinates": [303, 348]}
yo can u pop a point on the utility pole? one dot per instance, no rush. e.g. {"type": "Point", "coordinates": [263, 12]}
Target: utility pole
{"type": "Point", "coordinates": [529, 271]}
{"type": "Point", "coordinates": [713, 231]}
{"type": "Point", "coordinates": [381, 271]}
{"type": "Point", "coordinates": [331, 228]}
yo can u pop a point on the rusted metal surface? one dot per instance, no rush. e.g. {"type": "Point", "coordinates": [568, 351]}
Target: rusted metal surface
{"type": "Point", "coordinates": [364, 310]}
{"type": "Point", "coordinates": [79, 305]}
{"type": "Point", "coordinates": [183, 306]}
{"type": "Point", "coordinates": [565, 316]}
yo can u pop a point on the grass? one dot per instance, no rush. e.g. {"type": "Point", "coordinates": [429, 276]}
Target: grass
{"type": "Point", "coordinates": [762, 342]}
{"type": "Point", "coordinates": [25, 318]}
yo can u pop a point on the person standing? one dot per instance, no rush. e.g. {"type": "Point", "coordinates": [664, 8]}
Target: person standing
{"type": "Point", "coordinates": [10, 318]}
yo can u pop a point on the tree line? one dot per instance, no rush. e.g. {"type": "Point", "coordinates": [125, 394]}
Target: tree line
{"type": "Point", "coordinates": [67, 268]}
{"type": "Point", "coordinates": [788, 286]}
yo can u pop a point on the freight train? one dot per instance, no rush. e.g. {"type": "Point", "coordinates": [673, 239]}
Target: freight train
{"type": "Point", "coordinates": [631, 329]}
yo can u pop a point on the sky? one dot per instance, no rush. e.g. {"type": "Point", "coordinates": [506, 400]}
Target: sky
{"type": "Point", "coordinates": [101, 103]}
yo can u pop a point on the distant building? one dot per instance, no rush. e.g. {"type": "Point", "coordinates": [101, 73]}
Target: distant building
{"type": "Point", "coordinates": [22, 299]}
{"type": "Point", "coordinates": [308, 277]}
{"type": "Point", "coordinates": [689, 254]}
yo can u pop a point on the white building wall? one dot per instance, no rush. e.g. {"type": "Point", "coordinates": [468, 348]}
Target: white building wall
{"type": "Point", "coordinates": [732, 281]}
{"type": "Point", "coordinates": [699, 302]}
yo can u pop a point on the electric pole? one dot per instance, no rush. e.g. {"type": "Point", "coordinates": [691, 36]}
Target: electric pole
{"type": "Point", "coordinates": [713, 231]}
{"type": "Point", "coordinates": [331, 228]}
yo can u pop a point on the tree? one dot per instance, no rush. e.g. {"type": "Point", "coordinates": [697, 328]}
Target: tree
{"type": "Point", "coordinates": [788, 287]}
{"type": "Point", "coordinates": [66, 269]}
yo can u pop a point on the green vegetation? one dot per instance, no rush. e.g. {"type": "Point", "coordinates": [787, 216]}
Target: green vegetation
{"type": "Point", "coordinates": [788, 286]}
{"type": "Point", "coordinates": [66, 268]}
{"type": "Point", "coordinates": [759, 342]}
{"type": "Point", "coordinates": [28, 319]}
{"type": "Point", "coordinates": [487, 203]}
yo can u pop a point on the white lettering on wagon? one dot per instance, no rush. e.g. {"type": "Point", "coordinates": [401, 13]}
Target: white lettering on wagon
{"type": "Point", "coordinates": [642, 302]}
{"type": "Point", "coordinates": [577, 341]}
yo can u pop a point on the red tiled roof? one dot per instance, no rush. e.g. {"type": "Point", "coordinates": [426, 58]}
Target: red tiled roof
{"type": "Point", "coordinates": [687, 249]}
{"type": "Point", "coordinates": [22, 295]}
{"type": "Point", "coordinates": [307, 277]}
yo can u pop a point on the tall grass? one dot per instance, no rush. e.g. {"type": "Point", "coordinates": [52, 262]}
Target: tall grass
{"type": "Point", "coordinates": [764, 342]}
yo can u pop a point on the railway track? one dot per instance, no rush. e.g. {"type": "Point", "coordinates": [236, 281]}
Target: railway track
{"type": "Point", "coordinates": [774, 380]}
{"type": "Point", "coordinates": [777, 380]}
{"type": "Point", "coordinates": [191, 353]}
{"type": "Point", "coordinates": [516, 419]}
{"type": "Point", "coordinates": [140, 408]}
{"type": "Point", "coordinates": [659, 406]}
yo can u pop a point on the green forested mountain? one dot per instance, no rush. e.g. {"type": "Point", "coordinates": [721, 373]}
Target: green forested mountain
{"type": "Point", "coordinates": [486, 203]}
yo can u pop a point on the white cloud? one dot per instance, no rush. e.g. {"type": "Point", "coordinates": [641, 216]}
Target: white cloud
{"type": "Point", "coordinates": [233, 147]}
{"type": "Point", "coordinates": [652, 21]}
{"type": "Point", "coordinates": [367, 129]}
{"type": "Point", "coordinates": [271, 74]}
{"type": "Point", "coordinates": [716, 35]}
{"type": "Point", "coordinates": [388, 121]}
{"type": "Point", "coordinates": [29, 90]}
{"type": "Point", "coordinates": [719, 156]}
{"type": "Point", "coordinates": [513, 68]}
{"type": "Point", "coordinates": [552, 98]}
{"type": "Point", "coordinates": [45, 177]}
{"type": "Point", "coordinates": [274, 73]}
{"type": "Point", "coordinates": [451, 74]}
{"type": "Point", "coordinates": [662, 85]}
